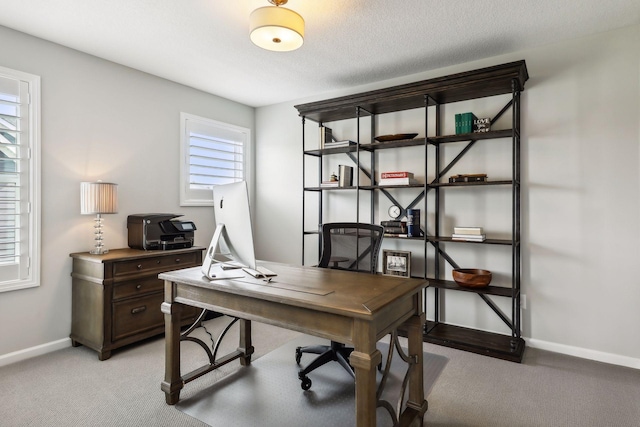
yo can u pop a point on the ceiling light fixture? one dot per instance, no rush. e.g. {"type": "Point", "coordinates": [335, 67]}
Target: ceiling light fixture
{"type": "Point", "coordinates": [276, 28]}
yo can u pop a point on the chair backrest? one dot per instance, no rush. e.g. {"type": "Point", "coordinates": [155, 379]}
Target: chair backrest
{"type": "Point", "coordinates": [351, 246]}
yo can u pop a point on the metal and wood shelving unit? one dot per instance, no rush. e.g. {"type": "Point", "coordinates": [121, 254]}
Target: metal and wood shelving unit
{"type": "Point", "coordinates": [431, 94]}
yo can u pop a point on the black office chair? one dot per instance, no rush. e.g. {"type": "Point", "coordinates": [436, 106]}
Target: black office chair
{"type": "Point", "coordinates": [345, 246]}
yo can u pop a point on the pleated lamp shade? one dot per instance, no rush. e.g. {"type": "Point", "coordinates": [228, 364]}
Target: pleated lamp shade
{"type": "Point", "coordinates": [98, 198]}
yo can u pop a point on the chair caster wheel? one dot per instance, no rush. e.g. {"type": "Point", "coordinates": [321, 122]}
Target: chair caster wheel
{"type": "Point", "coordinates": [298, 355]}
{"type": "Point", "coordinates": [306, 383]}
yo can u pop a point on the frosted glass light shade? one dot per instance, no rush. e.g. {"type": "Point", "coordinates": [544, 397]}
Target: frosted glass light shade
{"type": "Point", "coordinates": [98, 198]}
{"type": "Point", "coordinates": [276, 28]}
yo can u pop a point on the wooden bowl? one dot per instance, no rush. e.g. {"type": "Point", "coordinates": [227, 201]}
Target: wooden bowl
{"type": "Point", "coordinates": [472, 277]}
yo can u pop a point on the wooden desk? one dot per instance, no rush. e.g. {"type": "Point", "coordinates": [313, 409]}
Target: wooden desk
{"type": "Point", "coordinates": [353, 308]}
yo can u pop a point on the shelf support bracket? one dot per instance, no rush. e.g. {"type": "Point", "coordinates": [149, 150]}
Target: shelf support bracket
{"type": "Point", "coordinates": [497, 310]}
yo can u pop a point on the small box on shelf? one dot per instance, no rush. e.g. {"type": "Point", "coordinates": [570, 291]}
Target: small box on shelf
{"type": "Point", "coordinates": [482, 125]}
{"type": "Point", "coordinates": [474, 177]}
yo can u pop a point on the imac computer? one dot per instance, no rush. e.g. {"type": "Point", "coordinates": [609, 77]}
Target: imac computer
{"type": "Point", "coordinates": [231, 248]}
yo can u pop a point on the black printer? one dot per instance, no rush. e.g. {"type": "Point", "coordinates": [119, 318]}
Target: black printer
{"type": "Point", "coordinates": [159, 231]}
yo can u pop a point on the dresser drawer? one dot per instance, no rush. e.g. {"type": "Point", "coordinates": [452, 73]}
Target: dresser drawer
{"type": "Point", "coordinates": [142, 286]}
{"type": "Point", "coordinates": [165, 262]}
{"type": "Point", "coordinates": [137, 315]}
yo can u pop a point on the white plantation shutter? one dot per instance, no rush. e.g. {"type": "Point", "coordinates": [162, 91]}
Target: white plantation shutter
{"type": "Point", "coordinates": [19, 180]}
{"type": "Point", "coordinates": [212, 153]}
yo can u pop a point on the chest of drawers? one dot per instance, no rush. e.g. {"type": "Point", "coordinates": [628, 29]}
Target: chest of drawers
{"type": "Point", "coordinates": [116, 297]}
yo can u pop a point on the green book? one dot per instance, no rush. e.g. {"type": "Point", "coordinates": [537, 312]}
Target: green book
{"type": "Point", "coordinates": [467, 122]}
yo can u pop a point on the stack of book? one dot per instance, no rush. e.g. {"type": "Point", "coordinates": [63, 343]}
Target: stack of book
{"type": "Point", "coordinates": [327, 140]}
{"type": "Point", "coordinates": [332, 182]}
{"type": "Point", "coordinates": [468, 122]}
{"type": "Point", "coordinates": [336, 144]}
{"type": "Point", "coordinates": [394, 228]}
{"type": "Point", "coordinates": [468, 234]}
{"type": "Point", "coordinates": [464, 123]}
{"type": "Point", "coordinates": [326, 135]}
{"type": "Point", "coordinates": [397, 178]}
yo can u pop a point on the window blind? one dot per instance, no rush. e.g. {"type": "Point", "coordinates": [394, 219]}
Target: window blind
{"type": "Point", "coordinates": [213, 153]}
{"type": "Point", "coordinates": [19, 221]}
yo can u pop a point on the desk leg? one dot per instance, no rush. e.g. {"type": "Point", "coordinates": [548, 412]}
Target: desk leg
{"type": "Point", "coordinates": [172, 383]}
{"type": "Point", "coordinates": [416, 402]}
{"type": "Point", "coordinates": [365, 360]}
{"type": "Point", "coordinates": [245, 342]}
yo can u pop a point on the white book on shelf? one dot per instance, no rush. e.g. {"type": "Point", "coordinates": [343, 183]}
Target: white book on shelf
{"type": "Point", "coordinates": [469, 237]}
{"type": "Point", "coordinates": [468, 230]}
{"type": "Point", "coordinates": [397, 181]}
{"type": "Point", "coordinates": [335, 144]}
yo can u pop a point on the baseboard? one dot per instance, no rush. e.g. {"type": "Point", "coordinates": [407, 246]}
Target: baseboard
{"type": "Point", "coordinates": [584, 353]}
{"type": "Point", "coordinates": [599, 356]}
{"type": "Point", "coordinates": [28, 353]}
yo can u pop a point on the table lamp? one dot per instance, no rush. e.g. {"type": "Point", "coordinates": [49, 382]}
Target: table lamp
{"type": "Point", "coordinates": [98, 198]}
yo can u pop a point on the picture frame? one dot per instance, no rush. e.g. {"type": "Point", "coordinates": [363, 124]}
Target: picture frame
{"type": "Point", "coordinates": [396, 263]}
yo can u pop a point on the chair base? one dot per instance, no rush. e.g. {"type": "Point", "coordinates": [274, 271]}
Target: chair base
{"type": "Point", "coordinates": [335, 352]}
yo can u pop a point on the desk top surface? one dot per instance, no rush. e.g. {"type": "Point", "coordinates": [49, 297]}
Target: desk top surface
{"type": "Point", "coordinates": [342, 292]}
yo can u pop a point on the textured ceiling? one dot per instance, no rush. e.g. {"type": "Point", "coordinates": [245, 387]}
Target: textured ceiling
{"type": "Point", "coordinates": [205, 43]}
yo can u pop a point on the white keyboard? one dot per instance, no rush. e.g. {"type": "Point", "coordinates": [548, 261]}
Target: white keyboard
{"type": "Point", "coordinates": [259, 272]}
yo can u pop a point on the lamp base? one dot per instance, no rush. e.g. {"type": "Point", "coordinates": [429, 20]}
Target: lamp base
{"type": "Point", "coordinates": [98, 248]}
{"type": "Point", "coordinates": [99, 251]}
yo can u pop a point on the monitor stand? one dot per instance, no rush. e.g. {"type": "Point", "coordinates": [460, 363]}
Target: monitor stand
{"type": "Point", "coordinates": [214, 269]}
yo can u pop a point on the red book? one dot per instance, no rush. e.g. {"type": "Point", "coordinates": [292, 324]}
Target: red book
{"type": "Point", "coordinates": [385, 175]}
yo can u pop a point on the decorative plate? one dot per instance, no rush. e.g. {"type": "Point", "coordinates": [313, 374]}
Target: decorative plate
{"type": "Point", "coordinates": [396, 137]}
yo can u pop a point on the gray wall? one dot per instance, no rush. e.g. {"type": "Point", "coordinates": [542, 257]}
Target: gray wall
{"type": "Point", "coordinates": [103, 121]}
{"type": "Point", "coordinates": [581, 194]}
{"type": "Point", "coordinates": [581, 184]}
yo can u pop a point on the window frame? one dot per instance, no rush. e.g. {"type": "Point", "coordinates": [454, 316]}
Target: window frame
{"type": "Point", "coordinates": [33, 197]}
{"type": "Point", "coordinates": [188, 196]}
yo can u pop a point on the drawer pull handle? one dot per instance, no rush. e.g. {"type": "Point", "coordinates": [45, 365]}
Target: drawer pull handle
{"type": "Point", "coordinates": [139, 266]}
{"type": "Point", "coordinates": [139, 287]}
{"type": "Point", "coordinates": [139, 309]}
{"type": "Point", "coordinates": [177, 259]}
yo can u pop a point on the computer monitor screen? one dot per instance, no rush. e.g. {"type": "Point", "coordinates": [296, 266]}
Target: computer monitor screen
{"type": "Point", "coordinates": [233, 235]}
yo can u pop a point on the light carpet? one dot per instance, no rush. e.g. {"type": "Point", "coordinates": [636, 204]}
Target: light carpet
{"type": "Point", "coordinates": [269, 390]}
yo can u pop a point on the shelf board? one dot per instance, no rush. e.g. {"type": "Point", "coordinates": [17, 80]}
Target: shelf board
{"type": "Point", "coordinates": [475, 136]}
{"type": "Point", "coordinates": [480, 83]}
{"type": "Point", "coordinates": [353, 187]}
{"type": "Point", "coordinates": [434, 140]}
{"type": "Point", "coordinates": [470, 184]}
{"type": "Point", "coordinates": [449, 239]}
{"type": "Point", "coordinates": [378, 187]}
{"type": "Point", "coordinates": [485, 242]}
{"type": "Point", "coordinates": [488, 290]}
{"type": "Point", "coordinates": [399, 143]}
{"type": "Point", "coordinates": [338, 150]}
{"type": "Point", "coordinates": [421, 238]}
{"type": "Point", "coordinates": [480, 342]}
